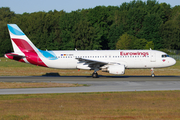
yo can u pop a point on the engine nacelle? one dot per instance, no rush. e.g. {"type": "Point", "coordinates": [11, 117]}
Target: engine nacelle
{"type": "Point", "coordinates": [115, 69]}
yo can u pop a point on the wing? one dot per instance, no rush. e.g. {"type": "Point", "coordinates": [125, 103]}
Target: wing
{"type": "Point", "coordinates": [91, 61]}
{"type": "Point", "coordinates": [93, 64]}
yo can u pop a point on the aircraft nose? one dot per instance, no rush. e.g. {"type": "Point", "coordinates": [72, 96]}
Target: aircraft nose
{"type": "Point", "coordinates": [173, 61]}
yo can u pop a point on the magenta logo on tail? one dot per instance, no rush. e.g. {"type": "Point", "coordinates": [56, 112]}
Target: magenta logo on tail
{"type": "Point", "coordinates": [23, 45]}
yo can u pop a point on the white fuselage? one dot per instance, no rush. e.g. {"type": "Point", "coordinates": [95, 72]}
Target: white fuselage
{"type": "Point", "coordinates": [129, 58]}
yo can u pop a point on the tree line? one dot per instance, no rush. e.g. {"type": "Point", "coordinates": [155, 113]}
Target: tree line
{"type": "Point", "coordinates": [133, 25]}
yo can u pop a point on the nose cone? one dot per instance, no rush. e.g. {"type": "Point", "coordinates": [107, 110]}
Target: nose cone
{"type": "Point", "coordinates": [173, 61]}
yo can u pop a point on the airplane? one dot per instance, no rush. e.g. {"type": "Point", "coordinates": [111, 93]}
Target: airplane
{"type": "Point", "coordinates": [112, 61]}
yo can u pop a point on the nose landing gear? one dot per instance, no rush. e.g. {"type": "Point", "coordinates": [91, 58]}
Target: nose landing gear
{"type": "Point", "coordinates": [152, 73]}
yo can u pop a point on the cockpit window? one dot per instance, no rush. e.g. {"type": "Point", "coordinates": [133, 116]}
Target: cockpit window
{"type": "Point", "coordinates": [163, 56]}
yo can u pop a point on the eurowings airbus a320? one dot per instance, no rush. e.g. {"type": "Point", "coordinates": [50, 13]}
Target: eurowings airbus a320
{"type": "Point", "coordinates": [112, 61]}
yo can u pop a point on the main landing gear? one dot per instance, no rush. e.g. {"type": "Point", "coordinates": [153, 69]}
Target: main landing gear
{"type": "Point", "coordinates": [95, 75]}
{"type": "Point", "coordinates": [152, 73]}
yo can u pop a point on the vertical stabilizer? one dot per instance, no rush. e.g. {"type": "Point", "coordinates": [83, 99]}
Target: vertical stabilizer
{"type": "Point", "coordinates": [24, 49]}
{"type": "Point", "coordinates": [20, 41]}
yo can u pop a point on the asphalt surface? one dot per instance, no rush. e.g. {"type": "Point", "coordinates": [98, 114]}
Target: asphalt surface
{"type": "Point", "coordinates": [101, 84]}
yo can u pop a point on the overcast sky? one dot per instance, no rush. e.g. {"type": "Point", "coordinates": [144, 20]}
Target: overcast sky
{"type": "Point", "coordinates": [29, 6]}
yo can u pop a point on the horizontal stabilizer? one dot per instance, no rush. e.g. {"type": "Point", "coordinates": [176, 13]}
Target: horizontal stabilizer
{"type": "Point", "coordinates": [14, 56]}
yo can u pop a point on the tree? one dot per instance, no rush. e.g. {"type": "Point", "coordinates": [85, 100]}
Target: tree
{"type": "Point", "coordinates": [139, 43]}
{"type": "Point", "coordinates": [114, 33]}
{"type": "Point", "coordinates": [124, 42]}
{"type": "Point", "coordinates": [100, 19]}
{"type": "Point", "coordinates": [135, 19]}
{"type": "Point", "coordinates": [131, 42]}
{"type": "Point", "coordinates": [6, 14]}
{"type": "Point", "coordinates": [149, 45]}
{"type": "Point", "coordinates": [170, 33]}
{"type": "Point", "coordinates": [5, 44]}
{"type": "Point", "coordinates": [150, 30]}
{"type": "Point", "coordinates": [170, 30]}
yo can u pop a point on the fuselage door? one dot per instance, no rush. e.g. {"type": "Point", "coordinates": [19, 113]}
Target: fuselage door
{"type": "Point", "coordinates": [153, 57]}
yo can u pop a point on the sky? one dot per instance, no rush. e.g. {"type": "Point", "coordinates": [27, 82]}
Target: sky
{"type": "Point", "coordinates": [30, 6]}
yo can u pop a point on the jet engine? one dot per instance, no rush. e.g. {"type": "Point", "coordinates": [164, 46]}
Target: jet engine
{"type": "Point", "coordinates": [115, 69]}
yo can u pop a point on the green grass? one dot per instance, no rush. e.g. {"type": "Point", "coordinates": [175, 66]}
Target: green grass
{"type": "Point", "coordinates": [10, 85]}
{"type": "Point", "coordinates": [109, 106]}
{"type": "Point", "coordinates": [12, 63]}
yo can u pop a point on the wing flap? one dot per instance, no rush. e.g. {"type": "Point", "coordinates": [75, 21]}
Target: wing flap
{"type": "Point", "coordinates": [91, 61]}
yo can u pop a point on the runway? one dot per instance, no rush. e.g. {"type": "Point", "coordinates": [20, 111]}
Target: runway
{"type": "Point", "coordinates": [101, 84]}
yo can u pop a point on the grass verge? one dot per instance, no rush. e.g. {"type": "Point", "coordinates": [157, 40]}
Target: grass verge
{"type": "Point", "coordinates": [8, 85]}
{"type": "Point", "coordinates": [109, 106]}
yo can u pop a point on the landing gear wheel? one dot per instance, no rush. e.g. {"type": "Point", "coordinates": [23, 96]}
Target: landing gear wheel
{"type": "Point", "coordinates": [152, 75]}
{"type": "Point", "coordinates": [95, 75]}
